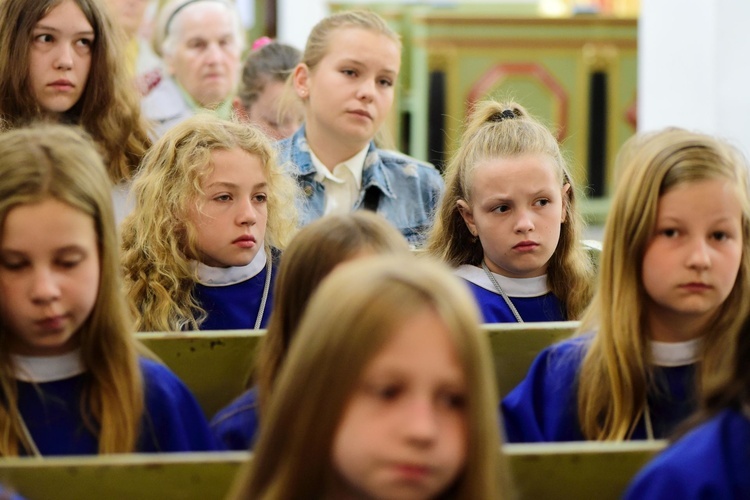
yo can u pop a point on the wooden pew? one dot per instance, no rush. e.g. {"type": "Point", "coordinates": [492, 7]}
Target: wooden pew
{"type": "Point", "coordinates": [203, 476]}
{"type": "Point", "coordinates": [213, 364]}
{"type": "Point", "coordinates": [557, 470]}
{"type": "Point", "coordinates": [571, 471]}
{"type": "Point", "coordinates": [515, 345]}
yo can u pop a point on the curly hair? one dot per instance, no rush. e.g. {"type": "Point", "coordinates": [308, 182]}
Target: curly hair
{"type": "Point", "coordinates": [158, 237]}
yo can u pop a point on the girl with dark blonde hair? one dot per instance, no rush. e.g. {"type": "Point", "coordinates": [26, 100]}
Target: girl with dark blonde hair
{"type": "Point", "coordinates": [387, 392]}
{"type": "Point", "coordinates": [71, 377]}
{"type": "Point", "coordinates": [672, 276]}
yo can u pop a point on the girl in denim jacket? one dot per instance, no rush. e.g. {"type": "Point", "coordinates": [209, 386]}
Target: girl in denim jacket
{"type": "Point", "coordinates": [346, 82]}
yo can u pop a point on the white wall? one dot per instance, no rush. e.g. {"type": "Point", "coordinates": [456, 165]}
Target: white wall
{"type": "Point", "coordinates": [297, 17]}
{"type": "Point", "coordinates": [693, 67]}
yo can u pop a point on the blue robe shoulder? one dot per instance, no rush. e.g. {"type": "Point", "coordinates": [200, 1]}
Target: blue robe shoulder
{"type": "Point", "coordinates": [711, 461]}
{"type": "Point", "coordinates": [236, 425]}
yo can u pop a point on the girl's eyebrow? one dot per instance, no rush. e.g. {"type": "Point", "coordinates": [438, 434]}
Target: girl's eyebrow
{"type": "Point", "coordinates": [72, 248]}
{"type": "Point", "coordinates": [360, 63]}
{"type": "Point", "coordinates": [225, 184]}
{"type": "Point", "coordinates": [55, 30]}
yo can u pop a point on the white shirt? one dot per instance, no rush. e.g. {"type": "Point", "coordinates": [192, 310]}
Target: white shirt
{"type": "Point", "coordinates": [42, 369]}
{"type": "Point", "coordinates": [675, 353]}
{"type": "Point", "coordinates": [343, 183]}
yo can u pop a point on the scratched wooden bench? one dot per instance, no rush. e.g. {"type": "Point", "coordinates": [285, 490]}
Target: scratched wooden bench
{"type": "Point", "coordinates": [515, 345]}
{"type": "Point", "coordinates": [573, 471]}
{"type": "Point", "coordinates": [203, 476]}
{"type": "Point", "coordinates": [215, 364]}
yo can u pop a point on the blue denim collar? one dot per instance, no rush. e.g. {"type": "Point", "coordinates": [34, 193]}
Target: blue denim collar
{"type": "Point", "coordinates": [373, 174]}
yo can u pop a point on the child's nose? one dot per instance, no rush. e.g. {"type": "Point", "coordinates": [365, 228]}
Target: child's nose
{"type": "Point", "coordinates": [64, 57]}
{"type": "Point", "coordinates": [246, 213]}
{"type": "Point", "coordinates": [44, 288]}
{"type": "Point", "coordinates": [524, 222]}
{"type": "Point", "coordinates": [366, 90]}
{"type": "Point", "coordinates": [699, 255]}
{"type": "Point", "coordinates": [421, 421]}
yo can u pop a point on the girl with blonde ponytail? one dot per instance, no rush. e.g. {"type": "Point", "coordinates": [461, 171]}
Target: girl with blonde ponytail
{"type": "Point", "coordinates": [670, 293]}
{"type": "Point", "coordinates": [508, 221]}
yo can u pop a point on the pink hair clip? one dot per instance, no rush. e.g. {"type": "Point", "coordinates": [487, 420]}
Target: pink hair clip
{"type": "Point", "coordinates": [261, 42]}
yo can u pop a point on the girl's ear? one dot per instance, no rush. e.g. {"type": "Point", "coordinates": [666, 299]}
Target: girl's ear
{"type": "Point", "coordinates": [565, 202]}
{"type": "Point", "coordinates": [301, 80]}
{"type": "Point", "coordinates": [465, 210]}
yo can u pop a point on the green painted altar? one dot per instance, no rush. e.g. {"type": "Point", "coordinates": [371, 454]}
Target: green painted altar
{"type": "Point", "coordinates": [578, 74]}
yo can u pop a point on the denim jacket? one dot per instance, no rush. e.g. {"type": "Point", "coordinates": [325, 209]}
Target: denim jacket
{"type": "Point", "coordinates": [406, 190]}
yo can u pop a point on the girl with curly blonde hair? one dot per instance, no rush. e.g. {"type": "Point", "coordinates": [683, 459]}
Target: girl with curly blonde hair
{"type": "Point", "coordinates": [212, 210]}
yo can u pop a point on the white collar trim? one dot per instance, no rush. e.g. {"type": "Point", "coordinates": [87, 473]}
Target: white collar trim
{"type": "Point", "coordinates": [355, 164]}
{"type": "Point", "coordinates": [675, 353]}
{"type": "Point", "coordinates": [41, 369]}
{"type": "Point", "coordinates": [224, 276]}
{"type": "Point", "coordinates": [513, 287]}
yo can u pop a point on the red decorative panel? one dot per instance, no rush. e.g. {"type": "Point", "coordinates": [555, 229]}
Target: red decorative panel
{"type": "Point", "coordinates": [500, 72]}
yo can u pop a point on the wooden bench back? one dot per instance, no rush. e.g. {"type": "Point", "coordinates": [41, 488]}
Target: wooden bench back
{"type": "Point", "coordinates": [572, 471]}
{"type": "Point", "coordinates": [204, 476]}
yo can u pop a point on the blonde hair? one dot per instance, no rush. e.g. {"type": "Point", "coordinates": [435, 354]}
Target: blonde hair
{"type": "Point", "coordinates": [616, 375]}
{"type": "Point", "coordinates": [158, 236]}
{"type": "Point", "coordinates": [60, 163]}
{"type": "Point", "coordinates": [319, 44]}
{"type": "Point", "coordinates": [490, 134]}
{"type": "Point", "coordinates": [313, 253]}
{"type": "Point", "coordinates": [368, 298]}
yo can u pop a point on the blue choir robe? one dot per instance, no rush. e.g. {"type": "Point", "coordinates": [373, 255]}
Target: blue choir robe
{"type": "Point", "coordinates": [544, 406]}
{"type": "Point", "coordinates": [530, 296]}
{"type": "Point", "coordinates": [236, 425]}
{"type": "Point", "coordinates": [711, 461]}
{"type": "Point", "coordinates": [232, 296]}
{"type": "Point", "coordinates": [172, 422]}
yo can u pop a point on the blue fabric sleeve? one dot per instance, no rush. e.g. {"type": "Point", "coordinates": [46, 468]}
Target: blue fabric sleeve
{"type": "Point", "coordinates": [236, 425]}
{"type": "Point", "coordinates": [173, 420]}
{"type": "Point", "coordinates": [710, 462]}
{"type": "Point", "coordinates": [543, 407]}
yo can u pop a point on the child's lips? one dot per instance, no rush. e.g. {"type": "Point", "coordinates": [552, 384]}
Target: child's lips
{"type": "Point", "coordinates": [526, 246]}
{"type": "Point", "coordinates": [52, 322]}
{"type": "Point", "coordinates": [696, 286]}
{"type": "Point", "coordinates": [413, 471]}
{"type": "Point", "coordinates": [361, 112]}
{"type": "Point", "coordinates": [61, 84]}
{"type": "Point", "coordinates": [245, 241]}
